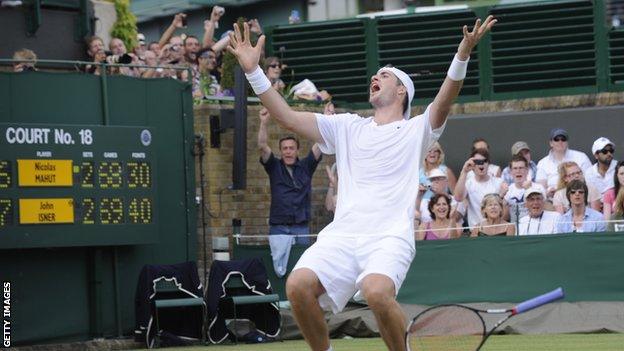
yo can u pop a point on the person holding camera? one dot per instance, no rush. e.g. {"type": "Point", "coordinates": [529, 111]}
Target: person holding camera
{"type": "Point", "coordinates": [475, 188]}
{"type": "Point", "coordinates": [118, 54]}
{"type": "Point", "coordinates": [24, 60]}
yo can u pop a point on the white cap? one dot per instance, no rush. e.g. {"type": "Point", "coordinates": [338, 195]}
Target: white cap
{"type": "Point", "coordinates": [407, 82]}
{"type": "Point", "coordinates": [533, 190]}
{"type": "Point", "coordinates": [600, 144]}
{"type": "Point", "coordinates": [436, 173]}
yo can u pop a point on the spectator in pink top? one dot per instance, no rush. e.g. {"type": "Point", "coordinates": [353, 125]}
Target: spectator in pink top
{"type": "Point", "coordinates": [442, 225]}
{"type": "Point", "coordinates": [609, 196]}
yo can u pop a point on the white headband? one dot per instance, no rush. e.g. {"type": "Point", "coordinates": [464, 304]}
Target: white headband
{"type": "Point", "coordinates": [407, 82]}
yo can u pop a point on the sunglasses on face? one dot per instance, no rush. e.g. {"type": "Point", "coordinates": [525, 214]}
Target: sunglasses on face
{"type": "Point", "coordinates": [607, 151]}
{"type": "Point", "coordinates": [560, 138]}
{"type": "Point", "coordinates": [577, 191]}
{"type": "Point", "coordinates": [274, 65]}
{"type": "Point", "coordinates": [574, 174]}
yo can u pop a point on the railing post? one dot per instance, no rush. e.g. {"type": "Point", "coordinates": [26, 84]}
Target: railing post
{"type": "Point", "coordinates": [601, 37]}
{"type": "Point", "coordinates": [104, 88]}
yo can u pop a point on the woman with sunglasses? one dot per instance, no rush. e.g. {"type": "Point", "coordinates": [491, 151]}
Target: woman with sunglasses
{"type": "Point", "coordinates": [580, 218]}
{"type": "Point", "coordinates": [434, 159]}
{"type": "Point", "coordinates": [273, 70]}
{"type": "Point", "coordinates": [569, 171]}
{"type": "Point", "coordinates": [442, 225]}
{"type": "Point", "coordinates": [493, 223]}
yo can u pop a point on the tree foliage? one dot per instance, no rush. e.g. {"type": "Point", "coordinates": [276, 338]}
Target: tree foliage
{"type": "Point", "coordinates": [125, 28]}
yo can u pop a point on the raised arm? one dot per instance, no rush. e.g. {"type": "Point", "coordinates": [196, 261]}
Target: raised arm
{"type": "Point", "coordinates": [263, 135]}
{"type": "Point", "coordinates": [175, 24]}
{"type": "Point", "coordinates": [301, 123]}
{"type": "Point", "coordinates": [441, 105]}
{"type": "Point", "coordinates": [332, 190]}
{"type": "Point", "coordinates": [210, 25]}
{"type": "Point", "coordinates": [460, 187]}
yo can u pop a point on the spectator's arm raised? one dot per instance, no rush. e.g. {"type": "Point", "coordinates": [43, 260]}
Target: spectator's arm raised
{"type": "Point", "coordinates": [178, 22]}
{"type": "Point", "coordinates": [263, 135]}
{"type": "Point", "coordinates": [248, 56]}
{"type": "Point", "coordinates": [441, 105]}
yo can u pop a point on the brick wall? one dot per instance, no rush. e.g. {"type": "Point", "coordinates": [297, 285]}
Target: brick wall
{"type": "Point", "coordinates": [252, 204]}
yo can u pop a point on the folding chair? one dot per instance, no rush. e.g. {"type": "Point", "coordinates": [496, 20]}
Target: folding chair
{"type": "Point", "coordinates": [235, 281]}
{"type": "Point", "coordinates": [169, 286]}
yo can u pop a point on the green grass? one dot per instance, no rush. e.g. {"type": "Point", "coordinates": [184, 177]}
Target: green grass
{"type": "Point", "coordinates": [550, 342]}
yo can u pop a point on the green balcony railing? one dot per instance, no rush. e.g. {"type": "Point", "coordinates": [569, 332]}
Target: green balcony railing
{"type": "Point", "coordinates": [537, 49]}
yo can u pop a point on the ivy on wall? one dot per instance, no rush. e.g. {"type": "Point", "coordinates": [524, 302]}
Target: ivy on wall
{"type": "Point", "coordinates": [125, 28]}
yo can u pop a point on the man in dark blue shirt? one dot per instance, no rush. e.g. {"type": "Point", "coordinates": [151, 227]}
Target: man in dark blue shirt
{"type": "Point", "coordinates": [291, 183]}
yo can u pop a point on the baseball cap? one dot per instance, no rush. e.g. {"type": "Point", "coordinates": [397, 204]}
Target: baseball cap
{"type": "Point", "coordinates": [407, 82]}
{"type": "Point", "coordinates": [141, 38]}
{"type": "Point", "coordinates": [533, 190]}
{"type": "Point", "coordinates": [600, 144]}
{"type": "Point", "coordinates": [436, 173]}
{"type": "Point", "coordinates": [519, 146]}
{"type": "Point", "coordinates": [558, 131]}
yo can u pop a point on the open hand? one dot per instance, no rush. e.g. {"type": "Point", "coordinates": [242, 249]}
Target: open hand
{"type": "Point", "coordinates": [247, 55]}
{"type": "Point", "coordinates": [472, 38]}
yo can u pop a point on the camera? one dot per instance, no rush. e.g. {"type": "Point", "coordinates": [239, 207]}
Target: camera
{"type": "Point", "coordinates": [184, 22]}
{"type": "Point", "coordinates": [479, 162]}
{"type": "Point", "coordinates": [123, 59]}
{"type": "Point", "coordinates": [220, 10]}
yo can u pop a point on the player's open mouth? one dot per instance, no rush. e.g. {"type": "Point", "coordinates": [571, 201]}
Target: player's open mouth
{"type": "Point", "coordinates": [374, 88]}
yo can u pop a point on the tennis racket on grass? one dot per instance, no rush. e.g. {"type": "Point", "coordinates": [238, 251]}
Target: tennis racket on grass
{"type": "Point", "coordinates": [460, 328]}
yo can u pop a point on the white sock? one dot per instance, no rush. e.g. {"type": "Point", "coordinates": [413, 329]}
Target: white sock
{"type": "Point", "coordinates": [330, 348]}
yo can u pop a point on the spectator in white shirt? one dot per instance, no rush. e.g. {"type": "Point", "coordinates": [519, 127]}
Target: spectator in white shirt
{"type": "Point", "coordinates": [481, 184]}
{"type": "Point", "coordinates": [515, 195]}
{"type": "Point", "coordinates": [548, 167]}
{"type": "Point", "coordinates": [537, 221]}
{"type": "Point", "coordinates": [480, 143]}
{"type": "Point", "coordinates": [600, 175]}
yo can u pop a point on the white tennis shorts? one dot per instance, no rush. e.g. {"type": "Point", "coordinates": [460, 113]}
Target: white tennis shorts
{"type": "Point", "coordinates": [342, 262]}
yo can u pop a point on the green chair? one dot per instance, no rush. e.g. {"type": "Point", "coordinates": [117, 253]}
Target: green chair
{"type": "Point", "coordinates": [235, 281]}
{"type": "Point", "coordinates": [166, 285]}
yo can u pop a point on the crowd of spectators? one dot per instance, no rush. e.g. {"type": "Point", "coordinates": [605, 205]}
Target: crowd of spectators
{"type": "Point", "coordinates": [563, 193]}
{"type": "Point", "coordinates": [172, 56]}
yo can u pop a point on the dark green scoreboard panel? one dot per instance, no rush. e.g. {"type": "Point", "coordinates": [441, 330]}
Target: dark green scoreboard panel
{"type": "Point", "coordinates": [77, 185]}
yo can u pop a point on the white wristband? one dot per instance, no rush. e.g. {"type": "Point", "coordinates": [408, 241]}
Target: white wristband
{"type": "Point", "coordinates": [258, 81]}
{"type": "Point", "coordinates": [458, 69]}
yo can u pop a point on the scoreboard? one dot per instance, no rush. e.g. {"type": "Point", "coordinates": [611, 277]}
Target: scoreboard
{"type": "Point", "coordinates": [73, 185]}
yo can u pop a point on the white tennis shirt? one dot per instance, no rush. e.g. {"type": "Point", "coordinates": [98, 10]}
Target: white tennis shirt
{"type": "Point", "coordinates": [377, 172]}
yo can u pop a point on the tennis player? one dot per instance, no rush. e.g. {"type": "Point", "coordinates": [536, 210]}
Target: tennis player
{"type": "Point", "coordinates": [370, 244]}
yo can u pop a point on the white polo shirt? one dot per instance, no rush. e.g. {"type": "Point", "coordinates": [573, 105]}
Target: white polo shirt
{"type": "Point", "coordinates": [593, 177]}
{"type": "Point", "coordinates": [378, 167]}
{"type": "Point", "coordinates": [545, 224]}
{"type": "Point", "coordinates": [548, 167]}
